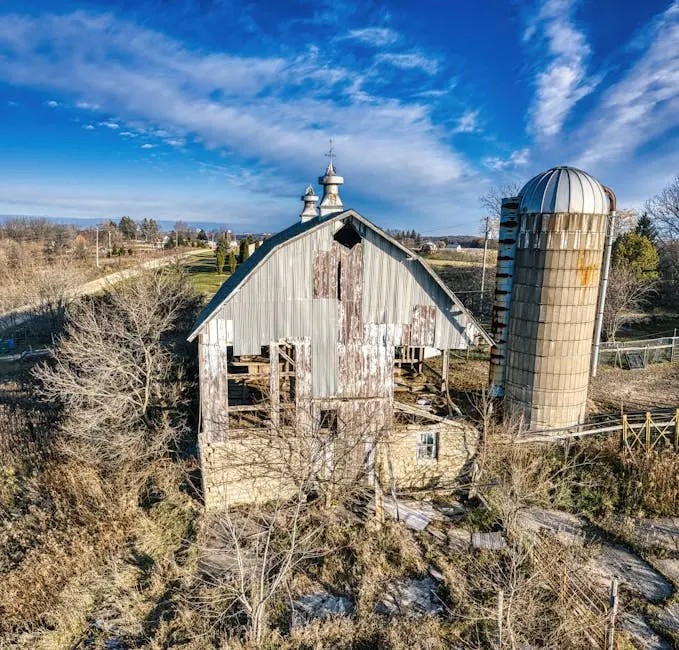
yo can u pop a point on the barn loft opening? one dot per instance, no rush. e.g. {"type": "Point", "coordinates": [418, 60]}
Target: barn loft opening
{"type": "Point", "coordinates": [347, 236]}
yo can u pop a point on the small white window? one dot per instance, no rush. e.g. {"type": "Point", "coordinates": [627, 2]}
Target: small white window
{"type": "Point", "coordinates": [427, 445]}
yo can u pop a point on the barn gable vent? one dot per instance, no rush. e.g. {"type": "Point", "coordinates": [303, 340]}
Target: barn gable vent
{"type": "Point", "coordinates": [347, 236]}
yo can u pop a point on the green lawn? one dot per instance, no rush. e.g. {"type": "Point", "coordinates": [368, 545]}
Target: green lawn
{"type": "Point", "coordinates": [203, 271]}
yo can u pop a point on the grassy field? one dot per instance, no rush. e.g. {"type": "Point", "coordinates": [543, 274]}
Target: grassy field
{"type": "Point", "coordinates": [203, 272]}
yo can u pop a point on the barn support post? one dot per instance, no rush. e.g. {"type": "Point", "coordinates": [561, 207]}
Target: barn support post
{"type": "Point", "coordinates": [444, 371]}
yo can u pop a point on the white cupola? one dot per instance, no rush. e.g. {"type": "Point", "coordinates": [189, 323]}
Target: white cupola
{"type": "Point", "coordinates": [309, 211]}
{"type": "Point", "coordinates": [331, 201]}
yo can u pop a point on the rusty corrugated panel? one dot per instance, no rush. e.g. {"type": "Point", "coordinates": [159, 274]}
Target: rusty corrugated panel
{"type": "Point", "coordinates": [506, 258]}
{"type": "Point", "coordinates": [423, 325]}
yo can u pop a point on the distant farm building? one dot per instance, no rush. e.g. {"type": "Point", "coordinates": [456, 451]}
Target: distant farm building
{"type": "Point", "coordinates": [314, 351]}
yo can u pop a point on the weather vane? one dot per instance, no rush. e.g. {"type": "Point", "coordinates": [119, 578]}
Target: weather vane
{"type": "Point", "coordinates": [331, 153]}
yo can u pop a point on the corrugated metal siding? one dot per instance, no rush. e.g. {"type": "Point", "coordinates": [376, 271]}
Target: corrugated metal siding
{"type": "Point", "coordinates": [395, 285]}
{"type": "Point", "coordinates": [382, 287]}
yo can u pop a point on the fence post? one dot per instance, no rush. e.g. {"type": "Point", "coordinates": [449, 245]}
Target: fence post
{"type": "Point", "coordinates": [623, 433]}
{"type": "Point", "coordinates": [648, 431]}
{"type": "Point", "coordinates": [500, 607]}
{"type": "Point", "coordinates": [613, 604]}
{"type": "Point", "coordinates": [676, 430]}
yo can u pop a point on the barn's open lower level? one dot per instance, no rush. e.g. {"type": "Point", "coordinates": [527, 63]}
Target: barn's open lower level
{"type": "Point", "coordinates": [272, 436]}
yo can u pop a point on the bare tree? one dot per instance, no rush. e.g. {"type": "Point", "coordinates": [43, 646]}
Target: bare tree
{"type": "Point", "coordinates": [625, 295]}
{"type": "Point", "coordinates": [248, 559]}
{"type": "Point", "coordinates": [664, 209]}
{"type": "Point", "coordinates": [115, 375]}
{"type": "Point", "coordinates": [491, 201]}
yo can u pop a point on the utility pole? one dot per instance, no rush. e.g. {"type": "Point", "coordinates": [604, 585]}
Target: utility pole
{"type": "Point", "coordinates": [109, 240]}
{"type": "Point", "coordinates": [483, 272]}
{"type": "Point", "coordinates": [97, 246]}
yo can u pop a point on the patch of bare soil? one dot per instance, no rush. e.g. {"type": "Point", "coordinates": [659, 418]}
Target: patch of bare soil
{"type": "Point", "coordinates": [656, 386]}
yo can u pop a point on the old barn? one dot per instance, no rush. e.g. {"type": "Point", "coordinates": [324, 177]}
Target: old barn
{"type": "Point", "coordinates": [314, 362]}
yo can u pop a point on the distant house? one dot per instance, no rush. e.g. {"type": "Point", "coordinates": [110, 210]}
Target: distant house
{"type": "Point", "coordinates": [300, 353]}
{"type": "Point", "coordinates": [453, 246]}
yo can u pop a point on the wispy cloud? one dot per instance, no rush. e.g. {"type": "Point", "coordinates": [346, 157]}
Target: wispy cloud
{"type": "Point", "coordinates": [409, 61]}
{"type": "Point", "coordinates": [52, 104]}
{"type": "Point", "coordinates": [128, 134]}
{"type": "Point", "coordinates": [517, 158]}
{"type": "Point", "coordinates": [643, 104]}
{"type": "Point", "coordinates": [87, 106]}
{"type": "Point", "coordinates": [148, 145]}
{"type": "Point", "coordinates": [564, 81]}
{"type": "Point", "coordinates": [468, 123]}
{"type": "Point", "coordinates": [252, 106]}
{"type": "Point", "coordinates": [373, 36]}
{"type": "Point", "coordinates": [89, 127]}
{"type": "Point", "coordinates": [110, 125]}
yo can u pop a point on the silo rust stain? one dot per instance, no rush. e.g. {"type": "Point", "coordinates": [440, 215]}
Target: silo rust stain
{"type": "Point", "coordinates": [588, 273]}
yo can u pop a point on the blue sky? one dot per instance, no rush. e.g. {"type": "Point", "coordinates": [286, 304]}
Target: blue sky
{"type": "Point", "coordinates": [221, 110]}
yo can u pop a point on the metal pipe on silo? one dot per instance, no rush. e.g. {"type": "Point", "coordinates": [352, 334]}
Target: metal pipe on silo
{"type": "Point", "coordinates": [604, 279]}
{"type": "Point", "coordinates": [506, 258]}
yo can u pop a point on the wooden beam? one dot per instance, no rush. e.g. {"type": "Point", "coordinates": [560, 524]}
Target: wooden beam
{"type": "Point", "coordinates": [416, 410]}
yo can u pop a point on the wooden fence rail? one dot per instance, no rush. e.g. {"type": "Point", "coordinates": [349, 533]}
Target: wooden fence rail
{"type": "Point", "coordinates": [640, 430]}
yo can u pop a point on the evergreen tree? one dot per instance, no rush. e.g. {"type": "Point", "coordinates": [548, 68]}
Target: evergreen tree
{"type": "Point", "coordinates": [645, 228]}
{"type": "Point", "coordinates": [128, 228]}
{"type": "Point", "coordinates": [219, 254]}
{"type": "Point", "coordinates": [639, 253]}
{"type": "Point", "coordinates": [232, 261]}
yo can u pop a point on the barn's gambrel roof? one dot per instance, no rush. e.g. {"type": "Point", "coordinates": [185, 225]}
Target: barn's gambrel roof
{"type": "Point", "coordinates": [300, 229]}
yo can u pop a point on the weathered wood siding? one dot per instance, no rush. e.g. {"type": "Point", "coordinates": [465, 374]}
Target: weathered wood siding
{"type": "Point", "coordinates": [214, 381]}
{"type": "Point", "coordinates": [345, 301]}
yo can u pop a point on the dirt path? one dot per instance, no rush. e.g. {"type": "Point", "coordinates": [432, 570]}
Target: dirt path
{"type": "Point", "coordinates": [24, 314]}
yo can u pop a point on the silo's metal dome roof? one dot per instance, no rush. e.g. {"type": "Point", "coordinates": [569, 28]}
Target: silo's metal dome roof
{"type": "Point", "coordinates": [564, 189]}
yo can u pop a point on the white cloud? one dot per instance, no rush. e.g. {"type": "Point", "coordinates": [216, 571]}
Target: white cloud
{"type": "Point", "coordinates": [128, 134]}
{"type": "Point", "coordinates": [89, 127]}
{"type": "Point", "coordinates": [87, 106]}
{"type": "Point", "coordinates": [110, 125]}
{"type": "Point", "coordinates": [564, 81]}
{"type": "Point", "coordinates": [147, 145]}
{"type": "Point", "coordinates": [409, 61]}
{"type": "Point", "coordinates": [643, 104]}
{"type": "Point", "coordinates": [373, 36]}
{"type": "Point", "coordinates": [175, 142]}
{"type": "Point", "coordinates": [517, 158]}
{"type": "Point", "coordinates": [51, 103]}
{"type": "Point", "coordinates": [468, 123]}
{"type": "Point", "coordinates": [277, 112]}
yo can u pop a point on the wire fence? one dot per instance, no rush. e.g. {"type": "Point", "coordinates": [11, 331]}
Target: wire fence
{"type": "Point", "coordinates": [639, 353]}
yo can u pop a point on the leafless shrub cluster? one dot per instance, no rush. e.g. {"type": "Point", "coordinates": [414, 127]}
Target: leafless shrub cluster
{"type": "Point", "coordinates": [625, 296]}
{"type": "Point", "coordinates": [115, 375]}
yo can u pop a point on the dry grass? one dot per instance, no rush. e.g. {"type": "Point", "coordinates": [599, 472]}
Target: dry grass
{"type": "Point", "coordinates": [655, 386]}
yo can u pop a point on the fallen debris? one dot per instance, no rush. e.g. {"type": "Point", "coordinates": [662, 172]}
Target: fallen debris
{"type": "Point", "coordinates": [634, 573]}
{"type": "Point", "coordinates": [569, 529]}
{"type": "Point", "coordinates": [412, 598]}
{"type": "Point", "coordinates": [488, 541]}
{"type": "Point", "coordinates": [320, 606]}
{"type": "Point", "coordinates": [634, 624]}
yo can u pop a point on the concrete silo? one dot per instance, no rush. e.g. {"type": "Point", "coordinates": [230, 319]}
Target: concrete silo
{"type": "Point", "coordinates": [552, 241]}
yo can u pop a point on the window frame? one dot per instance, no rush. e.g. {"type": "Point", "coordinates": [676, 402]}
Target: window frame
{"type": "Point", "coordinates": [427, 446]}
